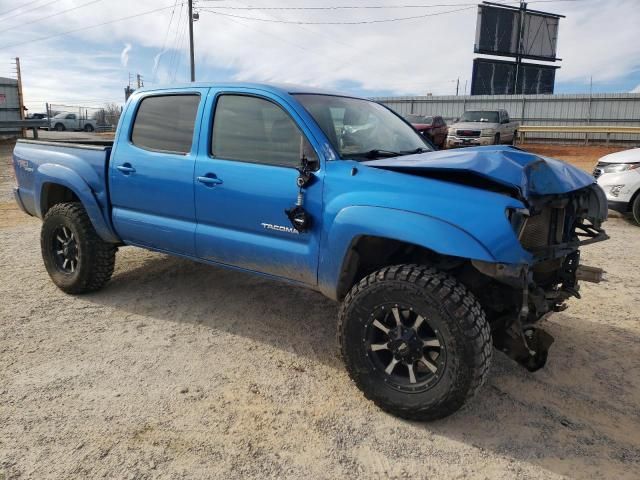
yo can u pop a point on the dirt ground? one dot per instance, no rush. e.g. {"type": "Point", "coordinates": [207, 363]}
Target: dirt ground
{"type": "Point", "coordinates": [578, 155]}
{"type": "Point", "coordinates": [181, 370]}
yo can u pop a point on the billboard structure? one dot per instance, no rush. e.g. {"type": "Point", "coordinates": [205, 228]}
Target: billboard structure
{"type": "Point", "coordinates": [520, 33]}
{"type": "Point", "coordinates": [498, 77]}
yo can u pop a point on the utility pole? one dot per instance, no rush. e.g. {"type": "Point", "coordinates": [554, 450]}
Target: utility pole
{"type": "Point", "coordinates": [139, 80]}
{"type": "Point", "coordinates": [523, 11]}
{"type": "Point", "coordinates": [193, 65]}
{"type": "Point", "coordinates": [20, 95]}
{"type": "Point", "coordinates": [457, 85]}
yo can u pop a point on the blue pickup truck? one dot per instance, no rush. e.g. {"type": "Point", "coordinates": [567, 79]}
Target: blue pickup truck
{"type": "Point", "coordinates": [435, 256]}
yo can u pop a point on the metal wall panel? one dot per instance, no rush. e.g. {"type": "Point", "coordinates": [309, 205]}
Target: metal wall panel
{"type": "Point", "coordinates": [619, 109]}
{"type": "Point", "coordinates": [9, 103]}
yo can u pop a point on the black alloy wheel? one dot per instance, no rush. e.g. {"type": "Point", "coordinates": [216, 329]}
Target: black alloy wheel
{"type": "Point", "coordinates": [404, 347]}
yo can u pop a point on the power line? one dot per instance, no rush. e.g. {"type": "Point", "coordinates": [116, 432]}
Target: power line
{"type": "Point", "coordinates": [344, 7]}
{"type": "Point", "coordinates": [29, 10]}
{"type": "Point", "coordinates": [358, 22]}
{"type": "Point", "coordinates": [50, 16]}
{"type": "Point", "coordinates": [18, 8]}
{"type": "Point", "coordinates": [177, 37]}
{"type": "Point", "coordinates": [180, 45]}
{"type": "Point", "coordinates": [148, 12]}
{"type": "Point", "coordinates": [164, 42]}
{"type": "Point", "coordinates": [369, 7]}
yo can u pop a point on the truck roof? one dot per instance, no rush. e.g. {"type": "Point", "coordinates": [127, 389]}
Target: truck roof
{"type": "Point", "coordinates": [281, 88]}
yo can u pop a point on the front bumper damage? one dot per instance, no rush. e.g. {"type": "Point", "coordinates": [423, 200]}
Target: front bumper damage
{"type": "Point", "coordinates": [552, 277]}
{"type": "Point", "coordinates": [520, 339]}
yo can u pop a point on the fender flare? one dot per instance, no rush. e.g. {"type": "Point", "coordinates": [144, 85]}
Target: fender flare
{"type": "Point", "coordinates": [60, 175]}
{"type": "Point", "coordinates": [428, 232]}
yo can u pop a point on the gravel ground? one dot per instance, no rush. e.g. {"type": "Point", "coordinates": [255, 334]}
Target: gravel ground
{"type": "Point", "coordinates": [181, 370]}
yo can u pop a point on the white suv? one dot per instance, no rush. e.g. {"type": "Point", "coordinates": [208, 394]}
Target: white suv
{"type": "Point", "coordinates": [619, 176]}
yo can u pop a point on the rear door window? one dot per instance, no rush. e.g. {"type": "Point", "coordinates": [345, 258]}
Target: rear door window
{"type": "Point", "coordinates": [165, 123]}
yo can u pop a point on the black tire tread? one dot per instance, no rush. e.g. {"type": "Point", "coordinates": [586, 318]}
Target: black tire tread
{"type": "Point", "coordinates": [635, 209]}
{"type": "Point", "coordinates": [459, 302]}
{"type": "Point", "coordinates": [102, 255]}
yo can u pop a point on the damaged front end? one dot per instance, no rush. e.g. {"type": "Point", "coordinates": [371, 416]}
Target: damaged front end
{"type": "Point", "coordinates": [552, 229]}
{"type": "Point", "coordinates": [562, 209]}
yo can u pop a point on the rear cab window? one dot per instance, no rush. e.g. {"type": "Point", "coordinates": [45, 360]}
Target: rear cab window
{"type": "Point", "coordinates": [165, 123]}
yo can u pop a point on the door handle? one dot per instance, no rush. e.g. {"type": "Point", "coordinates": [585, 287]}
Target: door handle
{"type": "Point", "coordinates": [126, 168]}
{"type": "Point", "coordinates": [209, 180]}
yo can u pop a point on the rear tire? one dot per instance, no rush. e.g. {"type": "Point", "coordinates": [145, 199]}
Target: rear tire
{"type": "Point", "coordinates": [88, 128]}
{"type": "Point", "coordinates": [635, 209]}
{"type": "Point", "coordinates": [76, 258]}
{"type": "Point", "coordinates": [422, 372]}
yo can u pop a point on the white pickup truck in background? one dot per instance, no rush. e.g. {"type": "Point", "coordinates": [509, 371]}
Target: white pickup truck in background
{"type": "Point", "coordinates": [72, 121]}
{"type": "Point", "coordinates": [479, 127]}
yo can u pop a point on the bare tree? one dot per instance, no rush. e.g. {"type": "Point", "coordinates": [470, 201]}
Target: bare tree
{"type": "Point", "coordinates": [111, 113]}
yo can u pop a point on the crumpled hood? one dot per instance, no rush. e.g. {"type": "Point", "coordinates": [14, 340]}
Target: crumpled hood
{"type": "Point", "coordinates": [528, 173]}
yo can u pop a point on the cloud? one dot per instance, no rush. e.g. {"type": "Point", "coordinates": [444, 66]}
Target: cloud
{"type": "Point", "coordinates": [124, 55]}
{"type": "Point", "coordinates": [412, 57]}
{"type": "Point", "coordinates": [156, 61]}
{"type": "Point", "coordinates": [636, 90]}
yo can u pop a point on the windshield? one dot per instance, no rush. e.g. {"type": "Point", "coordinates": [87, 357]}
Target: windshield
{"type": "Point", "coordinates": [361, 128]}
{"type": "Point", "coordinates": [61, 115]}
{"type": "Point", "coordinates": [489, 117]}
{"type": "Point", "coordinates": [419, 119]}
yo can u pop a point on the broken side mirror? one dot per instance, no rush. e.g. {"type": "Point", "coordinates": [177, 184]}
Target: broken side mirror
{"type": "Point", "coordinates": [309, 163]}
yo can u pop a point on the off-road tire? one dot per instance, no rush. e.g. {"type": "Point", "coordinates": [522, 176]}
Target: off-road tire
{"type": "Point", "coordinates": [458, 315]}
{"type": "Point", "coordinates": [96, 258]}
{"type": "Point", "coordinates": [635, 209]}
{"type": "Point", "coordinates": [496, 139]}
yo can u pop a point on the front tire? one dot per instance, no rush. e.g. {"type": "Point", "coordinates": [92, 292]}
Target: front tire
{"type": "Point", "coordinates": [76, 258]}
{"type": "Point", "coordinates": [415, 341]}
{"type": "Point", "coordinates": [60, 127]}
{"type": "Point", "coordinates": [496, 139]}
{"type": "Point", "coordinates": [635, 209]}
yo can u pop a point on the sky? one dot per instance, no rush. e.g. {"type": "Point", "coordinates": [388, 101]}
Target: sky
{"type": "Point", "coordinates": [68, 57]}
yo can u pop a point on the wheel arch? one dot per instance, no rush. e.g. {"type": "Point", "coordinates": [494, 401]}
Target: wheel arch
{"type": "Point", "coordinates": [58, 184]}
{"type": "Point", "coordinates": [360, 234]}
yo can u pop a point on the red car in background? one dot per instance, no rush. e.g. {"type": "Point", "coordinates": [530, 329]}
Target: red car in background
{"type": "Point", "coordinates": [432, 127]}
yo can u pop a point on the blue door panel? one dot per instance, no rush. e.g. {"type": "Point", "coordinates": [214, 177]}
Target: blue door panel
{"type": "Point", "coordinates": [277, 256]}
{"type": "Point", "coordinates": [241, 220]}
{"type": "Point", "coordinates": [158, 232]}
{"type": "Point", "coordinates": [153, 204]}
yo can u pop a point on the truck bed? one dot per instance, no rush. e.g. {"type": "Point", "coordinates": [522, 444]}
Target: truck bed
{"type": "Point", "coordinates": [81, 164]}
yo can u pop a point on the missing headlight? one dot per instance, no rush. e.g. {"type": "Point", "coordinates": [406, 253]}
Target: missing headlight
{"type": "Point", "coordinates": [518, 219]}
